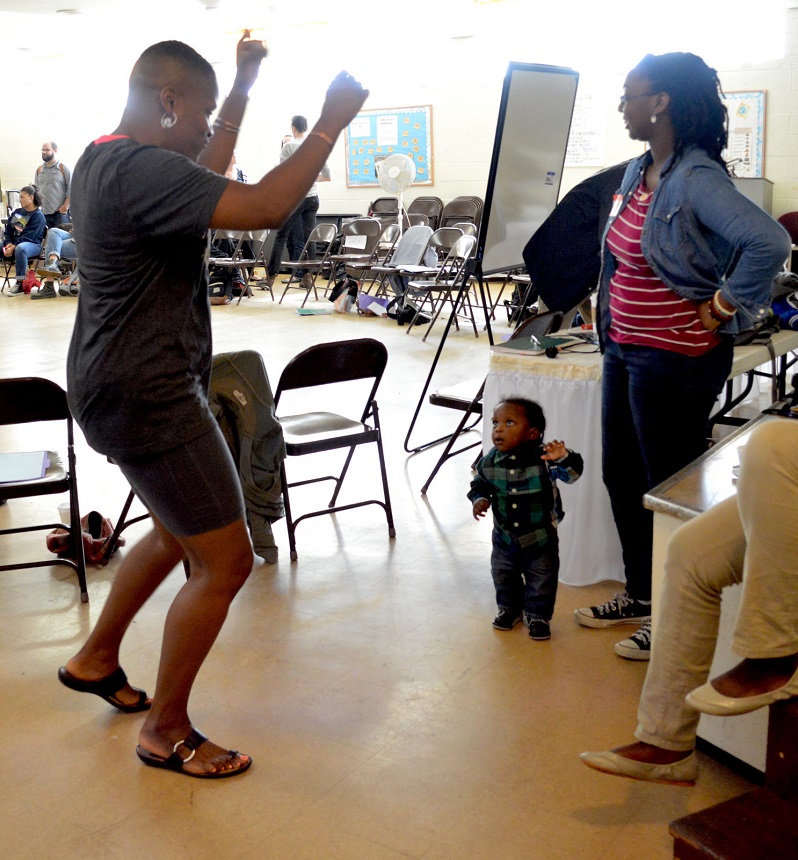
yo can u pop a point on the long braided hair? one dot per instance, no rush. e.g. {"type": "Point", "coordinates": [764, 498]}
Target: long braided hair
{"type": "Point", "coordinates": [697, 113]}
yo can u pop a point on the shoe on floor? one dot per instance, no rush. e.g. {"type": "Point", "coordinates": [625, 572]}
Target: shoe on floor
{"type": "Point", "coordinates": [637, 646]}
{"type": "Point", "coordinates": [50, 271]}
{"type": "Point", "coordinates": [682, 772]}
{"type": "Point", "coordinates": [64, 291]}
{"type": "Point", "coordinates": [506, 619]}
{"type": "Point", "coordinates": [539, 630]}
{"type": "Point", "coordinates": [622, 609]}
{"type": "Point", "coordinates": [45, 292]}
{"type": "Point", "coordinates": [16, 290]}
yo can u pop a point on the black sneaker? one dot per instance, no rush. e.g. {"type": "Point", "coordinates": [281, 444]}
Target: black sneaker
{"type": "Point", "coordinates": [637, 646]}
{"type": "Point", "coordinates": [622, 609]}
{"type": "Point", "coordinates": [506, 619]}
{"type": "Point", "coordinates": [539, 630]}
{"type": "Point", "coordinates": [16, 290]}
{"type": "Point", "coordinates": [45, 292]}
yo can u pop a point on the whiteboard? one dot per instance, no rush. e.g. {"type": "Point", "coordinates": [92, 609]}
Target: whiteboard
{"type": "Point", "coordinates": [528, 156]}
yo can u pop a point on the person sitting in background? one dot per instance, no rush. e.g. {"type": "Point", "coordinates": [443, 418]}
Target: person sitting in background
{"type": "Point", "coordinates": [60, 245]}
{"type": "Point", "coordinates": [23, 234]}
{"type": "Point", "coordinates": [751, 538]}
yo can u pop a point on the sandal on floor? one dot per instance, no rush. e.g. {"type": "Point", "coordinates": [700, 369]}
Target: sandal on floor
{"type": "Point", "coordinates": [106, 688]}
{"type": "Point", "coordinates": [193, 741]}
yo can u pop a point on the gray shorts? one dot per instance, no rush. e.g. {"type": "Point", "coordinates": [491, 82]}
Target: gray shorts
{"type": "Point", "coordinates": [192, 489]}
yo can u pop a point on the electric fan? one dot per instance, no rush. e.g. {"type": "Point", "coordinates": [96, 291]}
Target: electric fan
{"type": "Point", "coordinates": [395, 173]}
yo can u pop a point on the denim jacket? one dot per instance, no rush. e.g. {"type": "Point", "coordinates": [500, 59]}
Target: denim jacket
{"type": "Point", "coordinates": [701, 234]}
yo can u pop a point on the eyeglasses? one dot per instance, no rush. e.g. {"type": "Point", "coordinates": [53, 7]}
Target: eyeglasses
{"type": "Point", "coordinates": [624, 99]}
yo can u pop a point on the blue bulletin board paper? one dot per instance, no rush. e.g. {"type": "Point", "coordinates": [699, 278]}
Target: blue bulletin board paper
{"type": "Point", "coordinates": [373, 135]}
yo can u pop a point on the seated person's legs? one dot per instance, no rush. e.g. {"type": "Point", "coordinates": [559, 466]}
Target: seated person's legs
{"type": "Point", "coordinates": [22, 252]}
{"type": "Point", "coordinates": [747, 539]}
{"type": "Point", "coordinates": [766, 632]}
{"type": "Point", "coordinates": [704, 556]}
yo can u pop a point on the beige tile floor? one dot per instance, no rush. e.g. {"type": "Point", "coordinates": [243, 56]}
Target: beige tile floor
{"type": "Point", "coordinates": [386, 718]}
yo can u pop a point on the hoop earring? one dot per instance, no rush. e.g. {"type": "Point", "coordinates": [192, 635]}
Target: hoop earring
{"type": "Point", "coordinates": [168, 120]}
{"type": "Point", "coordinates": [653, 119]}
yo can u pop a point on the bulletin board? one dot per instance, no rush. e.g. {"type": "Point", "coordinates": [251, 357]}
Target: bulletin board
{"type": "Point", "coordinates": [373, 135]}
{"type": "Point", "coordinates": [746, 132]}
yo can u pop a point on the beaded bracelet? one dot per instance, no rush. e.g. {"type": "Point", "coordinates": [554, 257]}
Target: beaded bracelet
{"type": "Point", "coordinates": [724, 312]}
{"type": "Point", "coordinates": [224, 125]}
{"type": "Point", "coordinates": [720, 315]}
{"type": "Point", "coordinates": [325, 137]}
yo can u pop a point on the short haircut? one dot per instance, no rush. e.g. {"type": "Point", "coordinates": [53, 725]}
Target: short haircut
{"type": "Point", "coordinates": [532, 410]}
{"type": "Point", "coordinates": [173, 51]}
{"type": "Point", "coordinates": [299, 123]}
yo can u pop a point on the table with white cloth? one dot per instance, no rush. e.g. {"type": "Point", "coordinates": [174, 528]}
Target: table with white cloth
{"type": "Point", "coordinates": [568, 388]}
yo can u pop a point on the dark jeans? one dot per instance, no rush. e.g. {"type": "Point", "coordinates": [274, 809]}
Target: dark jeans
{"type": "Point", "coordinates": [294, 233]}
{"type": "Point", "coordinates": [56, 219]}
{"type": "Point", "coordinates": [654, 413]}
{"type": "Point", "coordinates": [525, 578]}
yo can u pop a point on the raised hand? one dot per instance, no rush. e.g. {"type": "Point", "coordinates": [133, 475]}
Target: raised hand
{"type": "Point", "coordinates": [555, 450]}
{"type": "Point", "coordinates": [345, 97]}
{"type": "Point", "coordinates": [250, 53]}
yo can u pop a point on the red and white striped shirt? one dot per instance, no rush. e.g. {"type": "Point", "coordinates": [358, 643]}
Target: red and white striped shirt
{"type": "Point", "coordinates": [643, 310]}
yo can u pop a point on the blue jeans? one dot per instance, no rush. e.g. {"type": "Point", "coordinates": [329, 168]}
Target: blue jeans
{"type": "Point", "coordinates": [654, 413]}
{"type": "Point", "coordinates": [59, 243]}
{"type": "Point", "coordinates": [22, 252]}
{"type": "Point", "coordinates": [525, 578]}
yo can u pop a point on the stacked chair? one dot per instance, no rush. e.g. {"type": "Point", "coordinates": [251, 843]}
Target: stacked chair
{"type": "Point", "coordinates": [462, 209]}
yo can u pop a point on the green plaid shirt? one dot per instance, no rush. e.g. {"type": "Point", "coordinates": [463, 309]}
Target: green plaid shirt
{"type": "Point", "coordinates": [522, 490]}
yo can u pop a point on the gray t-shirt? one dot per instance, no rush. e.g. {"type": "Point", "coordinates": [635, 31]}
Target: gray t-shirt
{"type": "Point", "coordinates": [139, 360]}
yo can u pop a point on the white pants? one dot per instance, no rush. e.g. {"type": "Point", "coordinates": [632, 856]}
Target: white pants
{"type": "Point", "coordinates": [752, 539]}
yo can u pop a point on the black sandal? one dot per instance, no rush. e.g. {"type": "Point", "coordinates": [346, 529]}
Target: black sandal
{"type": "Point", "coordinates": [192, 742]}
{"type": "Point", "coordinates": [106, 688]}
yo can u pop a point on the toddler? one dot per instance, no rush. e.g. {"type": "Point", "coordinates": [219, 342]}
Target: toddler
{"type": "Point", "coordinates": [517, 478]}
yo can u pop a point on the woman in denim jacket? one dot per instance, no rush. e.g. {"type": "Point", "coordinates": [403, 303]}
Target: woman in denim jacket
{"type": "Point", "coordinates": [687, 262]}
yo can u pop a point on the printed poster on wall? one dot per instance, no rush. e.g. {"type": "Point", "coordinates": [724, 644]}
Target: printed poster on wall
{"type": "Point", "coordinates": [746, 133]}
{"type": "Point", "coordinates": [373, 135]}
{"type": "Point", "coordinates": [586, 141]}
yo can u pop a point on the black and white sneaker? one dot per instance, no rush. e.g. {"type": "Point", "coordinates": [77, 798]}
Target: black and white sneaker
{"type": "Point", "coordinates": [637, 646]}
{"type": "Point", "coordinates": [506, 619]}
{"type": "Point", "coordinates": [622, 609]}
{"type": "Point", "coordinates": [16, 290]}
{"type": "Point", "coordinates": [539, 630]}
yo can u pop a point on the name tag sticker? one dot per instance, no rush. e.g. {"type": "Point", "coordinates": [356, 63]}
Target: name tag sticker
{"type": "Point", "coordinates": [617, 202]}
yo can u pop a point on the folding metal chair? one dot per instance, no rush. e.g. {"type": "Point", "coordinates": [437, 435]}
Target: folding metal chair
{"type": "Point", "coordinates": [29, 400]}
{"type": "Point", "coordinates": [314, 432]}
{"type": "Point", "coordinates": [321, 234]}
